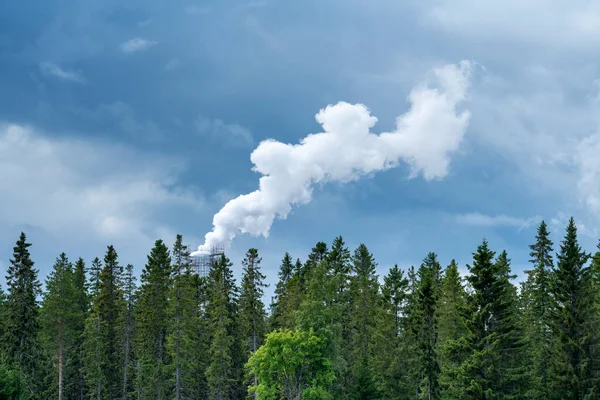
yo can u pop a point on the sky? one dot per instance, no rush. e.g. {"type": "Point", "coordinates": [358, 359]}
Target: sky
{"type": "Point", "coordinates": [126, 122]}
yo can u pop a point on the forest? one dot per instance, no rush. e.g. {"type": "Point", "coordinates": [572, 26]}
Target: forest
{"type": "Point", "coordinates": [334, 329]}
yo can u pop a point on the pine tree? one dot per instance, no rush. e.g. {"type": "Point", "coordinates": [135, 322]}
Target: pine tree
{"type": "Point", "coordinates": [76, 386]}
{"type": "Point", "coordinates": [104, 332]}
{"type": "Point", "coordinates": [452, 332]}
{"type": "Point", "coordinates": [289, 304]}
{"type": "Point", "coordinates": [592, 326]}
{"type": "Point", "coordinates": [427, 326]}
{"type": "Point", "coordinates": [21, 315]}
{"type": "Point", "coordinates": [92, 340]}
{"type": "Point", "coordinates": [252, 310]}
{"type": "Point", "coordinates": [152, 322]}
{"type": "Point", "coordinates": [186, 340]}
{"type": "Point", "coordinates": [129, 331]}
{"type": "Point", "coordinates": [537, 297]}
{"type": "Point", "coordinates": [389, 364]}
{"type": "Point", "coordinates": [58, 318]}
{"type": "Point", "coordinates": [569, 368]}
{"type": "Point", "coordinates": [286, 271]}
{"type": "Point", "coordinates": [363, 323]}
{"type": "Point", "coordinates": [511, 379]}
{"type": "Point", "coordinates": [317, 255]}
{"type": "Point", "coordinates": [222, 309]}
{"type": "Point", "coordinates": [494, 367]}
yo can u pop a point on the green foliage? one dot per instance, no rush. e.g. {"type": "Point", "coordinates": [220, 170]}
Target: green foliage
{"type": "Point", "coordinates": [152, 323]}
{"type": "Point", "coordinates": [494, 367]}
{"type": "Point", "coordinates": [335, 332]}
{"type": "Point", "coordinates": [187, 332]}
{"type": "Point", "coordinates": [59, 317]}
{"type": "Point", "coordinates": [292, 365]}
{"type": "Point", "coordinates": [453, 339]}
{"type": "Point", "coordinates": [572, 307]}
{"type": "Point", "coordinates": [103, 341]}
{"type": "Point", "coordinates": [21, 316]}
{"type": "Point", "coordinates": [223, 374]}
{"type": "Point", "coordinates": [537, 299]}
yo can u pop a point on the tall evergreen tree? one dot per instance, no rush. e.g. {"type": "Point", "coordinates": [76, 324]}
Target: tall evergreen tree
{"type": "Point", "coordinates": [365, 302]}
{"type": "Point", "coordinates": [492, 370]}
{"type": "Point", "coordinates": [104, 332]}
{"type": "Point", "coordinates": [252, 309]}
{"type": "Point", "coordinates": [21, 311]}
{"type": "Point", "coordinates": [152, 322]}
{"type": "Point", "coordinates": [317, 315]}
{"type": "Point", "coordinates": [427, 326]}
{"type": "Point", "coordinates": [92, 350]}
{"type": "Point", "coordinates": [452, 332]}
{"type": "Point", "coordinates": [222, 311]}
{"type": "Point", "coordinates": [537, 298]}
{"type": "Point", "coordinates": [389, 365]}
{"type": "Point", "coordinates": [76, 387]}
{"type": "Point", "coordinates": [510, 373]}
{"type": "Point", "coordinates": [286, 272]}
{"type": "Point", "coordinates": [187, 331]}
{"type": "Point", "coordinates": [570, 372]}
{"type": "Point", "coordinates": [58, 318]}
{"type": "Point", "coordinates": [592, 326]}
{"type": "Point", "coordinates": [129, 330]}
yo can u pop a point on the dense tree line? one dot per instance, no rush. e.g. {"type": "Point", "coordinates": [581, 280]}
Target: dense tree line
{"type": "Point", "coordinates": [333, 330]}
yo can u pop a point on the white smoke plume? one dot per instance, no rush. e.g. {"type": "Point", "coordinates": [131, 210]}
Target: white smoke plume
{"type": "Point", "coordinates": [424, 138]}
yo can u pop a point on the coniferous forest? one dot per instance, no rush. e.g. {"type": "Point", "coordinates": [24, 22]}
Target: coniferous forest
{"type": "Point", "coordinates": [333, 330]}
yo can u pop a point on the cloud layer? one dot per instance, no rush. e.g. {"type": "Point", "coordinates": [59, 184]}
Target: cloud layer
{"type": "Point", "coordinates": [67, 187]}
{"type": "Point", "coordinates": [424, 138]}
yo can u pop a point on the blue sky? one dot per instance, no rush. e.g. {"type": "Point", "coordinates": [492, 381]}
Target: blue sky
{"type": "Point", "coordinates": [126, 122]}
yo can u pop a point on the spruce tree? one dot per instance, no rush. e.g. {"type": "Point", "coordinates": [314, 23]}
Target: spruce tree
{"type": "Point", "coordinates": [426, 327]}
{"type": "Point", "coordinates": [21, 311]}
{"type": "Point", "coordinates": [129, 331]}
{"type": "Point", "coordinates": [537, 297]}
{"type": "Point", "coordinates": [494, 368]}
{"type": "Point", "coordinates": [390, 366]}
{"type": "Point", "coordinates": [186, 339]}
{"type": "Point", "coordinates": [510, 375]}
{"type": "Point", "coordinates": [152, 322]}
{"type": "Point", "coordinates": [592, 326]}
{"type": "Point", "coordinates": [58, 318]}
{"type": "Point", "coordinates": [252, 309]}
{"type": "Point", "coordinates": [452, 332]}
{"type": "Point", "coordinates": [364, 311]}
{"type": "Point", "coordinates": [286, 271]}
{"type": "Point", "coordinates": [570, 371]}
{"type": "Point", "coordinates": [289, 304]}
{"type": "Point", "coordinates": [76, 386]}
{"type": "Point", "coordinates": [104, 332]}
{"type": "Point", "coordinates": [222, 311]}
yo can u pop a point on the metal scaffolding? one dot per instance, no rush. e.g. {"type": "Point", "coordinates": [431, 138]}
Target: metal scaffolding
{"type": "Point", "coordinates": [201, 264]}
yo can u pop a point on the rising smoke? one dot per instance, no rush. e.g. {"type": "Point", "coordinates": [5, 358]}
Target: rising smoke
{"type": "Point", "coordinates": [424, 138]}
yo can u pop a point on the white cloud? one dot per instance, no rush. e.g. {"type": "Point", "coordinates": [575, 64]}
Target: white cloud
{"type": "Point", "coordinates": [478, 219]}
{"type": "Point", "coordinates": [137, 44]}
{"type": "Point", "coordinates": [73, 188]}
{"type": "Point", "coordinates": [49, 68]}
{"type": "Point", "coordinates": [424, 138]}
{"type": "Point", "coordinates": [574, 24]}
{"type": "Point", "coordinates": [233, 133]}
